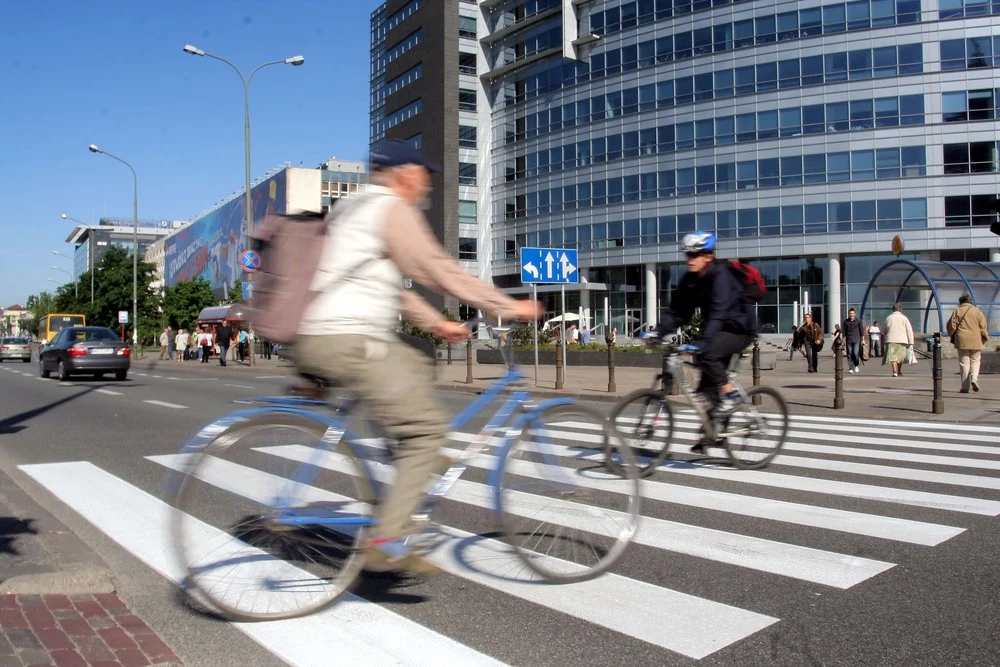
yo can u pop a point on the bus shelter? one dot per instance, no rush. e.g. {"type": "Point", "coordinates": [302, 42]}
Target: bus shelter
{"type": "Point", "coordinates": [235, 312]}
{"type": "Point", "coordinates": [929, 291]}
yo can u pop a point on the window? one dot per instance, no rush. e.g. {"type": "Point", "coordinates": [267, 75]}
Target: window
{"type": "Point", "coordinates": [466, 173]}
{"type": "Point", "coordinates": [467, 211]}
{"type": "Point", "coordinates": [467, 63]}
{"type": "Point", "coordinates": [467, 27]}
{"type": "Point", "coordinates": [466, 99]}
{"type": "Point", "coordinates": [467, 136]}
{"type": "Point", "coordinates": [467, 249]}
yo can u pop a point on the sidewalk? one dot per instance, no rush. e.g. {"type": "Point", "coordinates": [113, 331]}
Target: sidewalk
{"type": "Point", "coordinates": [57, 597]}
{"type": "Point", "coordinates": [872, 394]}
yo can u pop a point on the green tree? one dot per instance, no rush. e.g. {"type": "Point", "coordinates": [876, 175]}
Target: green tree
{"type": "Point", "coordinates": [236, 292]}
{"type": "Point", "coordinates": [113, 292]}
{"type": "Point", "coordinates": [183, 302]}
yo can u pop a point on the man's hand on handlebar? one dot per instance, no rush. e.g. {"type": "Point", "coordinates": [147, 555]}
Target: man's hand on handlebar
{"type": "Point", "coordinates": [526, 311]}
{"type": "Point", "coordinates": [451, 332]}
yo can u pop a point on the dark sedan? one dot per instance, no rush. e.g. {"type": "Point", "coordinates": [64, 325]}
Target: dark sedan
{"type": "Point", "coordinates": [85, 351]}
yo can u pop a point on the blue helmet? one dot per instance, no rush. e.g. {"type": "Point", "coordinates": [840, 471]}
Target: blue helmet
{"type": "Point", "coordinates": [698, 242]}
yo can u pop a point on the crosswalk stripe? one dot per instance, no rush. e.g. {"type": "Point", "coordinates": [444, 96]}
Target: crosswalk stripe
{"type": "Point", "coordinates": [354, 630]}
{"type": "Point", "coordinates": [858, 523]}
{"type": "Point", "coordinates": [865, 431]}
{"type": "Point", "coordinates": [967, 428]}
{"type": "Point", "coordinates": [804, 563]}
{"type": "Point", "coordinates": [657, 615]}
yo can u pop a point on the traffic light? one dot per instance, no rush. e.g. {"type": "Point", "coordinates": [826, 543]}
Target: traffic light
{"type": "Point", "coordinates": [995, 205]}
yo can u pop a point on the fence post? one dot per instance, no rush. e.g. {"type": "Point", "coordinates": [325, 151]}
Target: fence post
{"type": "Point", "coordinates": [559, 362]}
{"type": "Point", "coordinates": [937, 404]}
{"type": "Point", "coordinates": [611, 368]}
{"type": "Point", "coordinates": [755, 363]}
{"type": "Point", "coordinates": [468, 362]}
{"type": "Point", "coordinates": [838, 377]}
{"type": "Point", "coordinates": [449, 354]}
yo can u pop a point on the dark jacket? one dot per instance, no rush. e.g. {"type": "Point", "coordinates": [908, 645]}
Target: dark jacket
{"type": "Point", "coordinates": [853, 331]}
{"type": "Point", "coordinates": [223, 336]}
{"type": "Point", "coordinates": [719, 294]}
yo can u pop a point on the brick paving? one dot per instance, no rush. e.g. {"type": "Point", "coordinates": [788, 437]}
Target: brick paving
{"type": "Point", "coordinates": [77, 630]}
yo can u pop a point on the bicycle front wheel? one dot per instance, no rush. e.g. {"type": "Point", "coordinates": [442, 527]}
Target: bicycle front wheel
{"type": "Point", "coordinates": [646, 422]}
{"type": "Point", "coordinates": [754, 434]}
{"type": "Point", "coordinates": [272, 514]}
{"type": "Point", "coordinates": [566, 519]}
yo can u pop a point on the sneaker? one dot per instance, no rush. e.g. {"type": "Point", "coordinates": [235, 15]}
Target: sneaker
{"type": "Point", "coordinates": [700, 447]}
{"type": "Point", "coordinates": [393, 555]}
{"type": "Point", "coordinates": [857, 370]}
{"type": "Point", "coordinates": [895, 375]}
{"type": "Point", "coordinates": [975, 385]}
{"type": "Point", "coordinates": [728, 403]}
{"type": "Point", "coordinates": [850, 371]}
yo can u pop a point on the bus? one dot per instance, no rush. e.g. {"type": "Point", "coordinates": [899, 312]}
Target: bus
{"type": "Point", "coordinates": [53, 323]}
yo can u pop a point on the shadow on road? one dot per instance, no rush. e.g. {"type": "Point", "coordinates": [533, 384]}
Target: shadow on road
{"type": "Point", "coordinates": [15, 423]}
{"type": "Point", "coordinates": [10, 528]}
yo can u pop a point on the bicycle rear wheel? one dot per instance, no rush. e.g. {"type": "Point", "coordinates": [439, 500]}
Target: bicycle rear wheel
{"type": "Point", "coordinates": [250, 505]}
{"type": "Point", "coordinates": [754, 434]}
{"type": "Point", "coordinates": [646, 422]}
{"type": "Point", "coordinates": [566, 520]}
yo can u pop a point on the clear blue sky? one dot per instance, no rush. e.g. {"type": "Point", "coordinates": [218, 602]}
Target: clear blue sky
{"type": "Point", "coordinates": [113, 73]}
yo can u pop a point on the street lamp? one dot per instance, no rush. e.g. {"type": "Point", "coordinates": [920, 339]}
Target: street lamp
{"type": "Point", "coordinates": [294, 61]}
{"type": "Point", "coordinates": [76, 284]}
{"type": "Point", "coordinates": [90, 251]}
{"type": "Point", "coordinates": [135, 242]}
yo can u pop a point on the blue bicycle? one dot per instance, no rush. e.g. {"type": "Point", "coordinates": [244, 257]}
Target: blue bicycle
{"type": "Point", "coordinates": [276, 500]}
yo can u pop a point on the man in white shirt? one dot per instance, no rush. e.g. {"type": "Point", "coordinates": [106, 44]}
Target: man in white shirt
{"type": "Point", "coordinates": [346, 333]}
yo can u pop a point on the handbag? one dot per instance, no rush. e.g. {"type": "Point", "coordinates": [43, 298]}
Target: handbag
{"type": "Point", "coordinates": [954, 334]}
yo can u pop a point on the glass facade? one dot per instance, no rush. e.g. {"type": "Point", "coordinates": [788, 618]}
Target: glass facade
{"type": "Point", "coordinates": [806, 137]}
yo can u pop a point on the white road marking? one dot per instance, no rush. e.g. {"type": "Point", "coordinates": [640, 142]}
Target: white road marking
{"type": "Point", "coordinates": [158, 377]}
{"type": "Point", "coordinates": [109, 392]}
{"type": "Point", "coordinates": [240, 386]}
{"type": "Point", "coordinates": [164, 404]}
{"type": "Point", "coordinates": [354, 630]}
{"type": "Point", "coordinates": [858, 523]}
{"type": "Point", "coordinates": [814, 565]}
{"type": "Point", "coordinates": [657, 615]}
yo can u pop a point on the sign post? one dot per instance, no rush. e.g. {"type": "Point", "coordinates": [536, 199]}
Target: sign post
{"type": "Point", "coordinates": [123, 320]}
{"type": "Point", "coordinates": [550, 266]}
{"type": "Point", "coordinates": [534, 326]}
{"type": "Point", "coordinates": [250, 261]}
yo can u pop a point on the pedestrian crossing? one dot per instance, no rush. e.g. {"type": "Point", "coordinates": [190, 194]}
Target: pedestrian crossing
{"type": "Point", "coordinates": [846, 502]}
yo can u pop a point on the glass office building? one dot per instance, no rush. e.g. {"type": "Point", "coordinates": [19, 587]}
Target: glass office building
{"type": "Point", "coordinates": [807, 135]}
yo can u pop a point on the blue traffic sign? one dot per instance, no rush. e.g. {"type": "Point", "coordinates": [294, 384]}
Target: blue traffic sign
{"type": "Point", "coordinates": [247, 291]}
{"type": "Point", "coordinates": [549, 265]}
{"type": "Point", "coordinates": [250, 260]}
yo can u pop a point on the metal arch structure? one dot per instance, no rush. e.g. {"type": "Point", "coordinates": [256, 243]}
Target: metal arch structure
{"type": "Point", "coordinates": [983, 288]}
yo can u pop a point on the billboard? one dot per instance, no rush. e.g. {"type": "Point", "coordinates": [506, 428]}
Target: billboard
{"type": "Point", "coordinates": [210, 246]}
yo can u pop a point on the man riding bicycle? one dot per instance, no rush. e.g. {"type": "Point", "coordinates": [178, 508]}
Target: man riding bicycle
{"type": "Point", "coordinates": [346, 332]}
{"type": "Point", "coordinates": [728, 320]}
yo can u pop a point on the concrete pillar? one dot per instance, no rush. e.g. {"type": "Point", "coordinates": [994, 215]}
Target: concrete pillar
{"type": "Point", "coordinates": [833, 293]}
{"type": "Point", "coordinates": [995, 255]}
{"type": "Point", "coordinates": [651, 310]}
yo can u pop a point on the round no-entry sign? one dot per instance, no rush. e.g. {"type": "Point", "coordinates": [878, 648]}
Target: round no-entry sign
{"type": "Point", "coordinates": [250, 260]}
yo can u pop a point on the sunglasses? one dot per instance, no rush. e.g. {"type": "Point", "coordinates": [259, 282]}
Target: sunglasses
{"type": "Point", "coordinates": [692, 255]}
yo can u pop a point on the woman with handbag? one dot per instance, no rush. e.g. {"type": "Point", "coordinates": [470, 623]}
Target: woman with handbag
{"type": "Point", "coordinates": [898, 340]}
{"type": "Point", "coordinates": [969, 334]}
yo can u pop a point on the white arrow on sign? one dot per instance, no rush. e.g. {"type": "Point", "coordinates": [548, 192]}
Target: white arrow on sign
{"type": "Point", "coordinates": [532, 270]}
{"type": "Point", "coordinates": [250, 290]}
{"type": "Point", "coordinates": [549, 259]}
{"type": "Point", "coordinates": [567, 267]}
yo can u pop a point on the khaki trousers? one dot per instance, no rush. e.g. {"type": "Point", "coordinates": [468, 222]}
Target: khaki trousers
{"type": "Point", "coordinates": [394, 383]}
{"type": "Point", "coordinates": [968, 363]}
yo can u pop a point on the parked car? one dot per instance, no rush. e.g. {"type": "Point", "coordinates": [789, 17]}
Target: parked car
{"type": "Point", "coordinates": [15, 348]}
{"type": "Point", "coordinates": [85, 350]}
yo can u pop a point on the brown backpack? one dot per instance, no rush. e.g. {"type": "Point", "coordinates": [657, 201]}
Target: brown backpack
{"type": "Point", "coordinates": [290, 247]}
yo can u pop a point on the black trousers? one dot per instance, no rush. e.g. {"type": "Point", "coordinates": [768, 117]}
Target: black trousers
{"type": "Point", "coordinates": [714, 360]}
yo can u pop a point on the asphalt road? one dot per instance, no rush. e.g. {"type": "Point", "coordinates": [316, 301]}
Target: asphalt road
{"type": "Point", "coordinates": [865, 543]}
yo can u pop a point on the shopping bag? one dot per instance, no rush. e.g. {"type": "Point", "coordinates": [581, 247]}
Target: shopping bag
{"type": "Point", "coordinates": [911, 356]}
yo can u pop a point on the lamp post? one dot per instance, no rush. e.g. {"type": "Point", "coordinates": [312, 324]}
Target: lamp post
{"type": "Point", "coordinates": [76, 284]}
{"type": "Point", "coordinates": [294, 61]}
{"type": "Point", "coordinates": [135, 242]}
{"type": "Point", "coordinates": [90, 251]}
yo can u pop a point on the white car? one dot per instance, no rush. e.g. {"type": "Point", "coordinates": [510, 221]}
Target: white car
{"type": "Point", "coordinates": [15, 348]}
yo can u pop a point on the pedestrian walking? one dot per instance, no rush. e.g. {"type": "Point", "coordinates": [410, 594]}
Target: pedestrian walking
{"type": "Point", "coordinates": [205, 342]}
{"type": "Point", "coordinates": [967, 328]}
{"type": "Point", "coordinates": [164, 348]}
{"type": "Point", "coordinates": [853, 335]}
{"type": "Point", "coordinates": [224, 339]}
{"type": "Point", "coordinates": [794, 343]}
{"type": "Point", "coordinates": [612, 336]}
{"type": "Point", "coordinates": [181, 345]}
{"type": "Point", "coordinates": [171, 344]}
{"type": "Point", "coordinates": [875, 339]}
{"type": "Point", "coordinates": [812, 342]}
{"type": "Point", "coordinates": [898, 340]}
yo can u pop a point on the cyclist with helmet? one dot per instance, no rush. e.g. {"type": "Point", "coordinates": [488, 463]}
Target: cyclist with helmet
{"type": "Point", "coordinates": [728, 322]}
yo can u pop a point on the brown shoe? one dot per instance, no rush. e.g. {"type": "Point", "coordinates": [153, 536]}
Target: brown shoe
{"type": "Point", "coordinates": [418, 566]}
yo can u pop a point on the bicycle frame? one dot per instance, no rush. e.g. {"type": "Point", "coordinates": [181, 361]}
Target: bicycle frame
{"type": "Point", "coordinates": [675, 367]}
